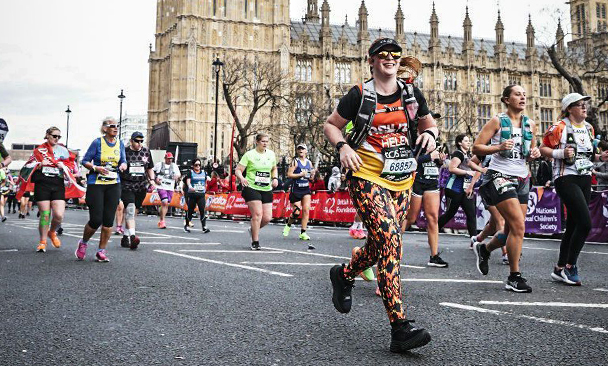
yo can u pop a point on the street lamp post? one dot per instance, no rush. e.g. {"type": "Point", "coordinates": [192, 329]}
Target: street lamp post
{"type": "Point", "coordinates": [121, 97]}
{"type": "Point", "coordinates": [217, 65]}
{"type": "Point", "coordinates": [67, 132]}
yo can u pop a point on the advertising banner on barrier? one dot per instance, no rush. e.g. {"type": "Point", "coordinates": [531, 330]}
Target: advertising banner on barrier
{"type": "Point", "coordinates": [216, 202]}
{"type": "Point", "coordinates": [178, 200]}
{"type": "Point", "coordinates": [333, 207]}
{"type": "Point", "coordinates": [544, 214]}
{"type": "Point", "coordinates": [236, 205]}
{"type": "Point", "coordinates": [598, 208]}
{"type": "Point", "coordinates": [458, 222]}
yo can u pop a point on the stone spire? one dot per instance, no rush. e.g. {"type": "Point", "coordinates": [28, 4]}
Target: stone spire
{"type": "Point", "coordinates": [325, 29]}
{"type": "Point", "coordinates": [312, 12]}
{"type": "Point", "coordinates": [434, 41]}
{"type": "Point", "coordinates": [399, 18]}
{"type": "Point", "coordinates": [467, 44]}
{"type": "Point", "coordinates": [363, 33]}
{"type": "Point", "coordinates": [530, 49]}
{"type": "Point", "coordinates": [500, 36]}
{"type": "Point", "coordinates": [559, 37]}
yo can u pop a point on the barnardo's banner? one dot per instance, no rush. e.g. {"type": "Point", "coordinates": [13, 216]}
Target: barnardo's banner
{"type": "Point", "coordinates": [598, 208]}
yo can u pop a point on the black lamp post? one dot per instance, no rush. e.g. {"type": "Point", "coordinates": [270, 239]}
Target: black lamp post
{"type": "Point", "coordinates": [217, 65]}
{"type": "Point", "coordinates": [121, 97]}
{"type": "Point", "coordinates": [67, 132]}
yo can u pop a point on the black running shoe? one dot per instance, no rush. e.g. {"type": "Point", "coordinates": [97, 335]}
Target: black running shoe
{"type": "Point", "coordinates": [206, 231]}
{"type": "Point", "coordinates": [134, 242]}
{"type": "Point", "coordinates": [59, 231]}
{"type": "Point", "coordinates": [517, 283]}
{"type": "Point", "coordinates": [342, 289]}
{"type": "Point", "coordinates": [186, 228]}
{"type": "Point", "coordinates": [483, 256]}
{"type": "Point", "coordinates": [255, 245]}
{"type": "Point", "coordinates": [436, 261]}
{"type": "Point", "coordinates": [124, 242]}
{"type": "Point", "coordinates": [311, 247]}
{"type": "Point", "coordinates": [405, 337]}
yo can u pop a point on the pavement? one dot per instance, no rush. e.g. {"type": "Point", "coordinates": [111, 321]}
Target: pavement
{"type": "Point", "coordinates": [207, 299]}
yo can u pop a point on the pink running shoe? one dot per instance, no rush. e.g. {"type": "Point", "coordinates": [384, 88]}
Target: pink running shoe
{"type": "Point", "coordinates": [101, 256]}
{"type": "Point", "coordinates": [161, 225]}
{"type": "Point", "coordinates": [119, 230]}
{"type": "Point", "coordinates": [353, 233]}
{"type": "Point", "coordinates": [81, 252]}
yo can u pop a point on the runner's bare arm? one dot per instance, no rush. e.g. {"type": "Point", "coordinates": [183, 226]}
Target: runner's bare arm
{"type": "Point", "coordinates": [275, 177]}
{"type": "Point", "coordinates": [239, 174]}
{"type": "Point", "coordinates": [290, 171]}
{"type": "Point", "coordinates": [534, 151]}
{"type": "Point", "coordinates": [427, 123]}
{"type": "Point", "coordinates": [454, 169]}
{"type": "Point", "coordinates": [481, 147]}
{"type": "Point", "coordinates": [333, 131]}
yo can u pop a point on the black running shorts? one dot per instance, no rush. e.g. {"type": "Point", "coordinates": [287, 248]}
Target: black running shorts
{"type": "Point", "coordinates": [420, 187]}
{"type": "Point", "coordinates": [297, 196]}
{"type": "Point", "coordinates": [136, 197]}
{"type": "Point", "coordinates": [498, 187]}
{"type": "Point", "coordinates": [250, 194]}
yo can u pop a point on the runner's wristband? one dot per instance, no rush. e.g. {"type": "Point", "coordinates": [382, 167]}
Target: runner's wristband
{"type": "Point", "coordinates": [558, 154]}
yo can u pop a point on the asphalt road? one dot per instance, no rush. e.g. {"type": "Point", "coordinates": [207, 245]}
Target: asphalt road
{"type": "Point", "coordinates": [206, 299]}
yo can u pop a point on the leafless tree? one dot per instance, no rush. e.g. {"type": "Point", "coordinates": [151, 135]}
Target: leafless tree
{"type": "Point", "coordinates": [257, 88]}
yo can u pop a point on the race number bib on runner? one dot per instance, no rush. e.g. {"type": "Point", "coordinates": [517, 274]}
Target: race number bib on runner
{"type": "Point", "coordinates": [467, 182]}
{"type": "Point", "coordinates": [503, 184]}
{"type": "Point", "coordinates": [136, 170]}
{"type": "Point", "coordinates": [108, 177]}
{"type": "Point", "coordinates": [199, 187]}
{"type": "Point", "coordinates": [166, 184]}
{"type": "Point", "coordinates": [262, 179]}
{"type": "Point", "coordinates": [431, 171]}
{"type": "Point", "coordinates": [398, 163]}
{"type": "Point", "coordinates": [583, 165]}
{"type": "Point", "coordinates": [50, 171]}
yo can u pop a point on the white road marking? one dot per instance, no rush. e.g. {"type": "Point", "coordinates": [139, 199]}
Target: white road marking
{"type": "Point", "coordinates": [80, 237]}
{"type": "Point", "coordinates": [225, 263]}
{"type": "Point", "coordinates": [165, 236]}
{"type": "Point", "coordinates": [290, 263]}
{"type": "Point", "coordinates": [450, 280]}
{"type": "Point", "coordinates": [230, 251]}
{"type": "Point", "coordinates": [538, 319]}
{"type": "Point", "coordinates": [330, 256]}
{"type": "Point", "coordinates": [600, 289]}
{"type": "Point", "coordinates": [9, 250]}
{"type": "Point", "coordinates": [171, 243]}
{"type": "Point", "coordinates": [212, 230]}
{"type": "Point", "coordinates": [546, 304]}
{"type": "Point", "coordinates": [557, 250]}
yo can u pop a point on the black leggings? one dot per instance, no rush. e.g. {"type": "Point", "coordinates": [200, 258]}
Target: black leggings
{"type": "Point", "coordinates": [196, 199]}
{"type": "Point", "coordinates": [575, 192]}
{"type": "Point", "coordinates": [12, 202]}
{"type": "Point", "coordinates": [455, 200]}
{"type": "Point", "coordinates": [102, 200]}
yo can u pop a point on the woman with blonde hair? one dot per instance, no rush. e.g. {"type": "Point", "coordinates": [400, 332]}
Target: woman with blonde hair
{"type": "Point", "coordinates": [104, 158]}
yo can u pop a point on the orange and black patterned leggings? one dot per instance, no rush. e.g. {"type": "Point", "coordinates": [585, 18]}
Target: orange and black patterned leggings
{"type": "Point", "coordinates": [382, 211]}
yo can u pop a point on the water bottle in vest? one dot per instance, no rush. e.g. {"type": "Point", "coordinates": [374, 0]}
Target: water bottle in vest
{"type": "Point", "coordinates": [571, 143]}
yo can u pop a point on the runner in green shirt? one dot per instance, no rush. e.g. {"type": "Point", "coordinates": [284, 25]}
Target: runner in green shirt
{"type": "Point", "coordinates": [261, 177]}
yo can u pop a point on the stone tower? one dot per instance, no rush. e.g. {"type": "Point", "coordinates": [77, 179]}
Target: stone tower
{"type": "Point", "coordinates": [190, 35]}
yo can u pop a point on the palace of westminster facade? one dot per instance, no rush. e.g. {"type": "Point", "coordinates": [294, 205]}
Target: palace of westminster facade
{"type": "Point", "coordinates": [462, 77]}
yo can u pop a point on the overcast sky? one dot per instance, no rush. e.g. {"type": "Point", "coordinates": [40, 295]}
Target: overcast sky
{"type": "Point", "coordinates": [82, 53]}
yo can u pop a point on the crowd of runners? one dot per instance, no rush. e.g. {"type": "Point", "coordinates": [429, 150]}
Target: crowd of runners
{"type": "Point", "coordinates": [386, 138]}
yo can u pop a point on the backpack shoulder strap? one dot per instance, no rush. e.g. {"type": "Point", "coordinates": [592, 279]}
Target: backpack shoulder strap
{"type": "Point", "coordinates": [365, 114]}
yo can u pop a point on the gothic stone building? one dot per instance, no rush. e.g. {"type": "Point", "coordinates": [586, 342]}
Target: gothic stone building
{"type": "Point", "coordinates": [462, 76]}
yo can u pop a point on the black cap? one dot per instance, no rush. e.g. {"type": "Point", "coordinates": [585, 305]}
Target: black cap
{"type": "Point", "coordinates": [381, 43]}
{"type": "Point", "coordinates": [435, 115]}
{"type": "Point", "coordinates": [136, 134]}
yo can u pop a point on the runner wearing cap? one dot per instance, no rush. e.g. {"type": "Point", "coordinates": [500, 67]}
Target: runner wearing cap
{"type": "Point", "coordinates": [135, 181]}
{"type": "Point", "coordinates": [570, 143]}
{"type": "Point", "coordinates": [301, 171]}
{"type": "Point", "coordinates": [167, 174]}
{"type": "Point", "coordinates": [262, 177]}
{"type": "Point", "coordinates": [104, 158]}
{"type": "Point", "coordinates": [379, 155]}
{"type": "Point", "coordinates": [196, 187]}
{"type": "Point", "coordinates": [509, 138]}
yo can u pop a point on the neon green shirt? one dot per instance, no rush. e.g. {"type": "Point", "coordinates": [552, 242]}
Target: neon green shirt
{"type": "Point", "coordinates": [259, 168]}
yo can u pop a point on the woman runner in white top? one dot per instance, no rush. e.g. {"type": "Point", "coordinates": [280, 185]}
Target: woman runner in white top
{"type": "Point", "coordinates": [507, 182]}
